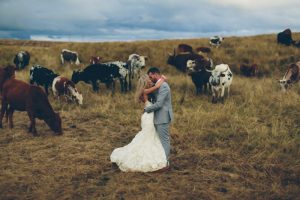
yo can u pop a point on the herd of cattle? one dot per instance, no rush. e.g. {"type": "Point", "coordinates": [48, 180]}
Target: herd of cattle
{"type": "Point", "coordinates": [22, 96]}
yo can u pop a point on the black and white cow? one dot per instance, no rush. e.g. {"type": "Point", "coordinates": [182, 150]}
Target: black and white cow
{"type": "Point", "coordinates": [108, 72]}
{"type": "Point", "coordinates": [42, 76]}
{"type": "Point", "coordinates": [216, 40]}
{"type": "Point", "coordinates": [69, 56]}
{"type": "Point", "coordinates": [199, 74]}
{"type": "Point", "coordinates": [22, 59]}
{"type": "Point", "coordinates": [220, 79]}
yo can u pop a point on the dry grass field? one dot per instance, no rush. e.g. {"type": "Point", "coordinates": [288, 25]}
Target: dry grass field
{"type": "Point", "coordinates": [246, 148]}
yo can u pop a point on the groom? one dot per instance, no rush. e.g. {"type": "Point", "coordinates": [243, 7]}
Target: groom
{"type": "Point", "coordinates": [162, 109]}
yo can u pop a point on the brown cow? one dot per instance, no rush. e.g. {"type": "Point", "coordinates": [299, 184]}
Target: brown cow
{"type": "Point", "coordinates": [24, 97]}
{"type": "Point", "coordinates": [184, 48]}
{"type": "Point", "coordinates": [203, 50]}
{"type": "Point", "coordinates": [63, 86]}
{"type": "Point", "coordinates": [291, 76]}
{"type": "Point", "coordinates": [248, 70]}
{"type": "Point", "coordinates": [95, 59]}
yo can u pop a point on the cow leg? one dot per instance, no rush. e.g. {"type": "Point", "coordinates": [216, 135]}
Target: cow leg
{"type": "Point", "coordinates": [3, 110]}
{"type": "Point", "coordinates": [95, 86]}
{"type": "Point", "coordinates": [228, 90]}
{"type": "Point", "coordinates": [32, 128]}
{"type": "Point", "coordinates": [10, 113]}
{"type": "Point", "coordinates": [46, 89]}
{"type": "Point", "coordinates": [222, 94]}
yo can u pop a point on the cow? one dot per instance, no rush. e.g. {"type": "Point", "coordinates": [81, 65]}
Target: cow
{"type": "Point", "coordinates": [216, 41]}
{"type": "Point", "coordinates": [220, 79]}
{"type": "Point", "coordinates": [62, 86]}
{"type": "Point", "coordinates": [135, 64]}
{"type": "Point", "coordinates": [199, 74]}
{"type": "Point", "coordinates": [95, 59]}
{"type": "Point", "coordinates": [248, 69]}
{"type": "Point", "coordinates": [184, 48]}
{"type": "Point", "coordinates": [108, 72]}
{"type": "Point", "coordinates": [291, 76]}
{"type": "Point", "coordinates": [285, 37]}
{"type": "Point", "coordinates": [40, 75]}
{"type": "Point", "coordinates": [21, 59]}
{"type": "Point", "coordinates": [21, 96]}
{"type": "Point", "coordinates": [203, 50]}
{"type": "Point", "coordinates": [180, 60]}
{"type": "Point", "coordinates": [69, 56]}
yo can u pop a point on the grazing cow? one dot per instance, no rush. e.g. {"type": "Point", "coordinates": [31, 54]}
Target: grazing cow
{"type": "Point", "coordinates": [180, 60]}
{"type": "Point", "coordinates": [20, 96]}
{"type": "Point", "coordinates": [220, 79]}
{"type": "Point", "coordinates": [285, 37]}
{"type": "Point", "coordinates": [22, 59]}
{"type": "Point", "coordinates": [199, 74]}
{"type": "Point", "coordinates": [291, 76]}
{"type": "Point", "coordinates": [184, 48]}
{"type": "Point", "coordinates": [42, 76]}
{"type": "Point", "coordinates": [95, 59]}
{"type": "Point", "coordinates": [216, 41]}
{"type": "Point", "coordinates": [248, 70]}
{"type": "Point", "coordinates": [108, 72]}
{"type": "Point", "coordinates": [62, 86]}
{"type": "Point", "coordinates": [69, 56]}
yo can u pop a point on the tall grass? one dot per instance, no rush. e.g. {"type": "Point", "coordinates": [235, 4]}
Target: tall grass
{"type": "Point", "coordinates": [246, 148]}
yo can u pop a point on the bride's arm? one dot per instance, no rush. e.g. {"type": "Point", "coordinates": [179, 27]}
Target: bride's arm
{"type": "Point", "coordinates": [155, 87]}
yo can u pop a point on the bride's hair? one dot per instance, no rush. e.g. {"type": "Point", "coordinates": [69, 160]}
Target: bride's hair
{"type": "Point", "coordinates": [141, 85]}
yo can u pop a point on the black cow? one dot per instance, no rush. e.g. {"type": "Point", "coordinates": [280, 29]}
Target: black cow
{"type": "Point", "coordinates": [103, 72]}
{"type": "Point", "coordinates": [180, 60]}
{"type": "Point", "coordinates": [199, 74]}
{"type": "Point", "coordinates": [69, 56]}
{"type": "Point", "coordinates": [42, 76]}
{"type": "Point", "coordinates": [22, 59]}
{"type": "Point", "coordinates": [285, 37]}
{"type": "Point", "coordinates": [108, 72]}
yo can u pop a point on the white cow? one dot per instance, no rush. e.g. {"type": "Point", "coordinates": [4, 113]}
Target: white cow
{"type": "Point", "coordinates": [220, 79]}
{"type": "Point", "coordinates": [135, 64]}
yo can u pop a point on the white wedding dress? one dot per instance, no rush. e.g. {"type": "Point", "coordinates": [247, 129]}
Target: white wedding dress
{"type": "Point", "coordinates": [145, 152]}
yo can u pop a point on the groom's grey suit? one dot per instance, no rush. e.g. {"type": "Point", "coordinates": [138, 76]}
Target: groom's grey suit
{"type": "Point", "coordinates": [163, 115]}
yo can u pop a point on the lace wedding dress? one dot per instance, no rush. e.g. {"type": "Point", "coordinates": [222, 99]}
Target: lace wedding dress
{"type": "Point", "coordinates": [145, 152]}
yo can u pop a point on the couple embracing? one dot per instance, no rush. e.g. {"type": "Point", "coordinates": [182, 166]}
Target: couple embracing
{"type": "Point", "coordinates": [150, 148]}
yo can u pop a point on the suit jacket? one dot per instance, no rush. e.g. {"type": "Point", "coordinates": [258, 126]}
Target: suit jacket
{"type": "Point", "coordinates": [162, 108]}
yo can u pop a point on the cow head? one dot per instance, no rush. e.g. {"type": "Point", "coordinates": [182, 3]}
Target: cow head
{"type": "Point", "coordinates": [219, 75]}
{"type": "Point", "coordinates": [172, 58]}
{"type": "Point", "coordinates": [191, 66]}
{"type": "Point", "coordinates": [137, 61]}
{"type": "Point", "coordinates": [75, 77]}
{"type": "Point", "coordinates": [291, 76]}
{"type": "Point", "coordinates": [54, 123]}
{"type": "Point", "coordinates": [75, 95]}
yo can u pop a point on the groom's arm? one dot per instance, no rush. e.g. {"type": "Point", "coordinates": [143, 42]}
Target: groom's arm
{"type": "Point", "coordinates": [163, 93]}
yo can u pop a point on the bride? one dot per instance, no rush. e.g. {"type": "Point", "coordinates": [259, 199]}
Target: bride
{"type": "Point", "coordinates": [145, 152]}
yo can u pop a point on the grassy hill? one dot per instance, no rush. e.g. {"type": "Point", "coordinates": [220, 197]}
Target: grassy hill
{"type": "Point", "coordinates": [246, 148]}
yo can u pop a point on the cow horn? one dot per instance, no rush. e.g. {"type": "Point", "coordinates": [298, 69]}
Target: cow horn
{"type": "Point", "coordinates": [225, 70]}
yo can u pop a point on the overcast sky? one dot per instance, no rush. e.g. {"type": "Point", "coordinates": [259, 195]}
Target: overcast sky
{"type": "Point", "coordinates": [110, 20]}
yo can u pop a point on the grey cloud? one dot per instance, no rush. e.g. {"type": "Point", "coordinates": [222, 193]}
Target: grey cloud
{"type": "Point", "coordinates": [143, 19]}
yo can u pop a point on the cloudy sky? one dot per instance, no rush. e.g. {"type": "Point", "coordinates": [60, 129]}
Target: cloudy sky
{"type": "Point", "coordinates": [111, 20]}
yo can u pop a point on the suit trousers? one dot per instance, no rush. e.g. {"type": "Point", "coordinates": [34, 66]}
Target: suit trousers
{"type": "Point", "coordinates": [163, 133]}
